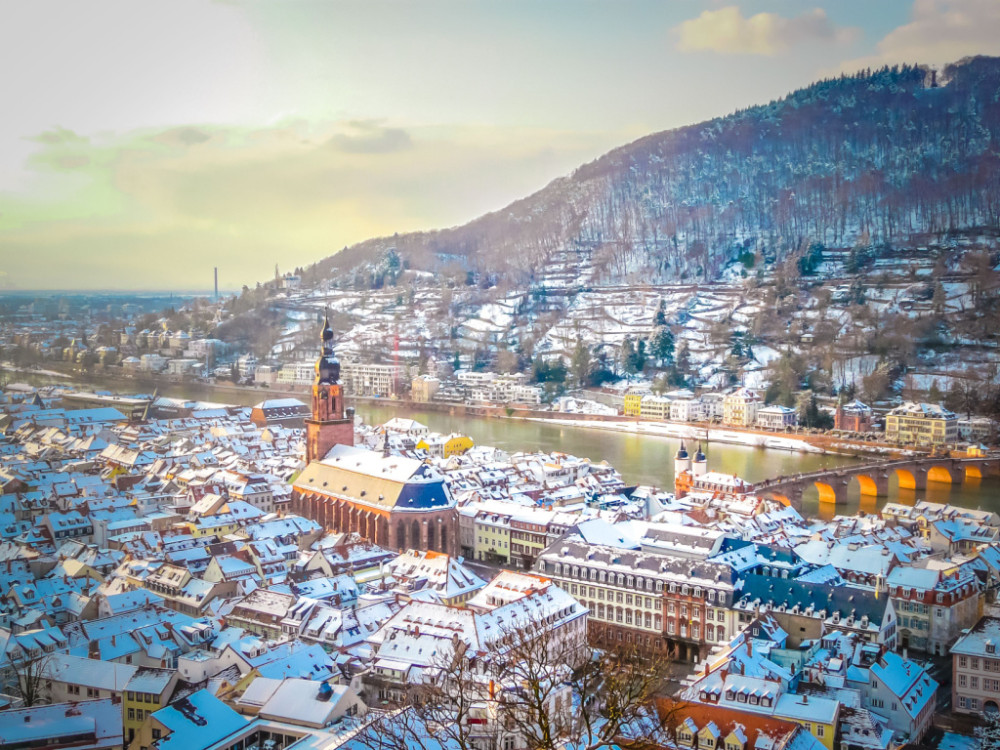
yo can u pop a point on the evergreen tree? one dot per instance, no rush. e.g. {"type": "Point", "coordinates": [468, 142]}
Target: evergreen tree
{"type": "Point", "coordinates": [581, 363]}
{"type": "Point", "coordinates": [660, 319]}
{"type": "Point", "coordinates": [939, 299]}
{"type": "Point", "coordinates": [639, 358]}
{"type": "Point", "coordinates": [663, 345]}
{"type": "Point", "coordinates": [627, 356]}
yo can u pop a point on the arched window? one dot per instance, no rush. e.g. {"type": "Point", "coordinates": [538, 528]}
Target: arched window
{"type": "Point", "coordinates": [430, 536]}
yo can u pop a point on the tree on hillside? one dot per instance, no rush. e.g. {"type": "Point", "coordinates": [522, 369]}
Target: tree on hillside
{"type": "Point", "coordinates": [581, 363]}
{"type": "Point", "coordinates": [663, 346]}
{"type": "Point", "coordinates": [660, 318]}
{"type": "Point", "coordinates": [626, 356]}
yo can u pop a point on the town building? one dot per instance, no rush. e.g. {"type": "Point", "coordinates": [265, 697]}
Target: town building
{"type": "Point", "coordinates": [921, 424]}
{"type": "Point", "coordinates": [287, 412]}
{"type": "Point", "coordinates": [853, 416]}
{"type": "Point", "coordinates": [371, 379]}
{"type": "Point", "coordinates": [776, 417]}
{"type": "Point", "coordinates": [739, 408]}
{"type": "Point", "coordinates": [393, 501]}
{"type": "Point", "coordinates": [975, 682]}
{"type": "Point", "coordinates": [83, 725]}
{"type": "Point", "coordinates": [423, 388]}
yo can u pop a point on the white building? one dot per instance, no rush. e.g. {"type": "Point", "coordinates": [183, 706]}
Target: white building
{"type": "Point", "coordinates": [370, 379]}
{"type": "Point", "coordinates": [152, 363]}
{"type": "Point", "coordinates": [247, 365]}
{"type": "Point", "coordinates": [776, 417]}
{"type": "Point", "coordinates": [182, 366]}
{"type": "Point", "coordinates": [296, 373]}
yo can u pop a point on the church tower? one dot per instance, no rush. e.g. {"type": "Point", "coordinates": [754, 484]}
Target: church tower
{"type": "Point", "coordinates": [329, 424]}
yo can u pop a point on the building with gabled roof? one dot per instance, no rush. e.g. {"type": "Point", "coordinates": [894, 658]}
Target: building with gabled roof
{"type": "Point", "coordinates": [433, 576]}
{"type": "Point", "coordinates": [82, 725]}
{"type": "Point", "coordinates": [975, 684]}
{"type": "Point", "coordinates": [728, 728]}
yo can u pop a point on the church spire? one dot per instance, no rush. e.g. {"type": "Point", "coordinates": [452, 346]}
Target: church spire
{"type": "Point", "coordinates": [327, 366]}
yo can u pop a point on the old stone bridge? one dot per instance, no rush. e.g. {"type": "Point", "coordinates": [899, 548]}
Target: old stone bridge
{"type": "Point", "coordinates": [873, 478]}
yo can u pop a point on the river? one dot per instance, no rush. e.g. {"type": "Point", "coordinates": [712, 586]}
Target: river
{"type": "Point", "coordinates": [641, 459]}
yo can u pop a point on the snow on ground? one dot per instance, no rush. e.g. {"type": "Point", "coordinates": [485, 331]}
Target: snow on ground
{"type": "Point", "coordinates": [678, 430]}
{"type": "Point", "coordinates": [48, 373]}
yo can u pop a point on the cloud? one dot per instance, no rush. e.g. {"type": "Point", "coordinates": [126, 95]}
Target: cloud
{"type": "Point", "coordinates": [184, 136]}
{"type": "Point", "coordinates": [59, 136]}
{"type": "Point", "coordinates": [370, 137]}
{"type": "Point", "coordinates": [143, 210]}
{"type": "Point", "coordinates": [939, 31]}
{"type": "Point", "coordinates": [728, 32]}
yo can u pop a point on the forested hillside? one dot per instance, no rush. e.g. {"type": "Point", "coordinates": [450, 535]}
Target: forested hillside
{"type": "Point", "coordinates": [879, 158]}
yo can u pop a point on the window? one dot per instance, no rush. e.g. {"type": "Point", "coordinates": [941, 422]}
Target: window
{"type": "Point", "coordinates": [963, 661]}
{"type": "Point", "coordinates": [820, 730]}
{"type": "Point", "coordinates": [156, 733]}
{"type": "Point", "coordinates": [131, 714]}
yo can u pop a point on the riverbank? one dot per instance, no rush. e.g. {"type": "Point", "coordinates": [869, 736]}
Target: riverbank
{"type": "Point", "coordinates": [697, 433]}
{"type": "Point", "coordinates": [249, 395]}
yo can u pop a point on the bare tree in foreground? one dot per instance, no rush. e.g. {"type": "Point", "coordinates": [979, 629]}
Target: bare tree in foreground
{"type": "Point", "coordinates": [25, 675]}
{"type": "Point", "coordinates": [536, 688]}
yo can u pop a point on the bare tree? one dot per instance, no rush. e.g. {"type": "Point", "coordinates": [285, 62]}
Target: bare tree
{"type": "Point", "coordinates": [537, 688]}
{"type": "Point", "coordinates": [26, 675]}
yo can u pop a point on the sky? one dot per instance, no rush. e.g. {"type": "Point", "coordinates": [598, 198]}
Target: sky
{"type": "Point", "coordinates": [143, 143]}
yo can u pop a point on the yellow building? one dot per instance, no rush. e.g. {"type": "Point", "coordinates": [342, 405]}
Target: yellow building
{"type": "Point", "coordinates": [210, 526]}
{"type": "Point", "coordinates": [632, 404]}
{"type": "Point", "coordinates": [655, 408]}
{"type": "Point", "coordinates": [492, 536]}
{"type": "Point", "coordinates": [456, 445]}
{"type": "Point", "coordinates": [921, 424]}
{"type": "Point", "coordinates": [423, 388]}
{"type": "Point", "coordinates": [739, 408]}
{"type": "Point", "coordinates": [149, 690]}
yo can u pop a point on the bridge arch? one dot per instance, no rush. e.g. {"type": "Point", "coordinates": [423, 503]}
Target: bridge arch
{"type": "Point", "coordinates": [973, 471]}
{"type": "Point", "coordinates": [939, 474]}
{"type": "Point", "coordinates": [871, 485]}
{"type": "Point", "coordinates": [907, 479]}
{"type": "Point", "coordinates": [783, 499]}
{"type": "Point", "coordinates": [826, 492]}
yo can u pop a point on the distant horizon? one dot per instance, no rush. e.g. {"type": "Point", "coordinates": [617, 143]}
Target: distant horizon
{"type": "Point", "coordinates": [118, 292]}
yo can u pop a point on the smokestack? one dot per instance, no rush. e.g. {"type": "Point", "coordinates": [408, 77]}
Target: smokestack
{"type": "Point", "coordinates": [216, 283]}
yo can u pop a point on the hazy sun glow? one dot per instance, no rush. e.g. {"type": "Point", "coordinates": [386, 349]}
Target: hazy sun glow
{"type": "Point", "coordinates": [145, 143]}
